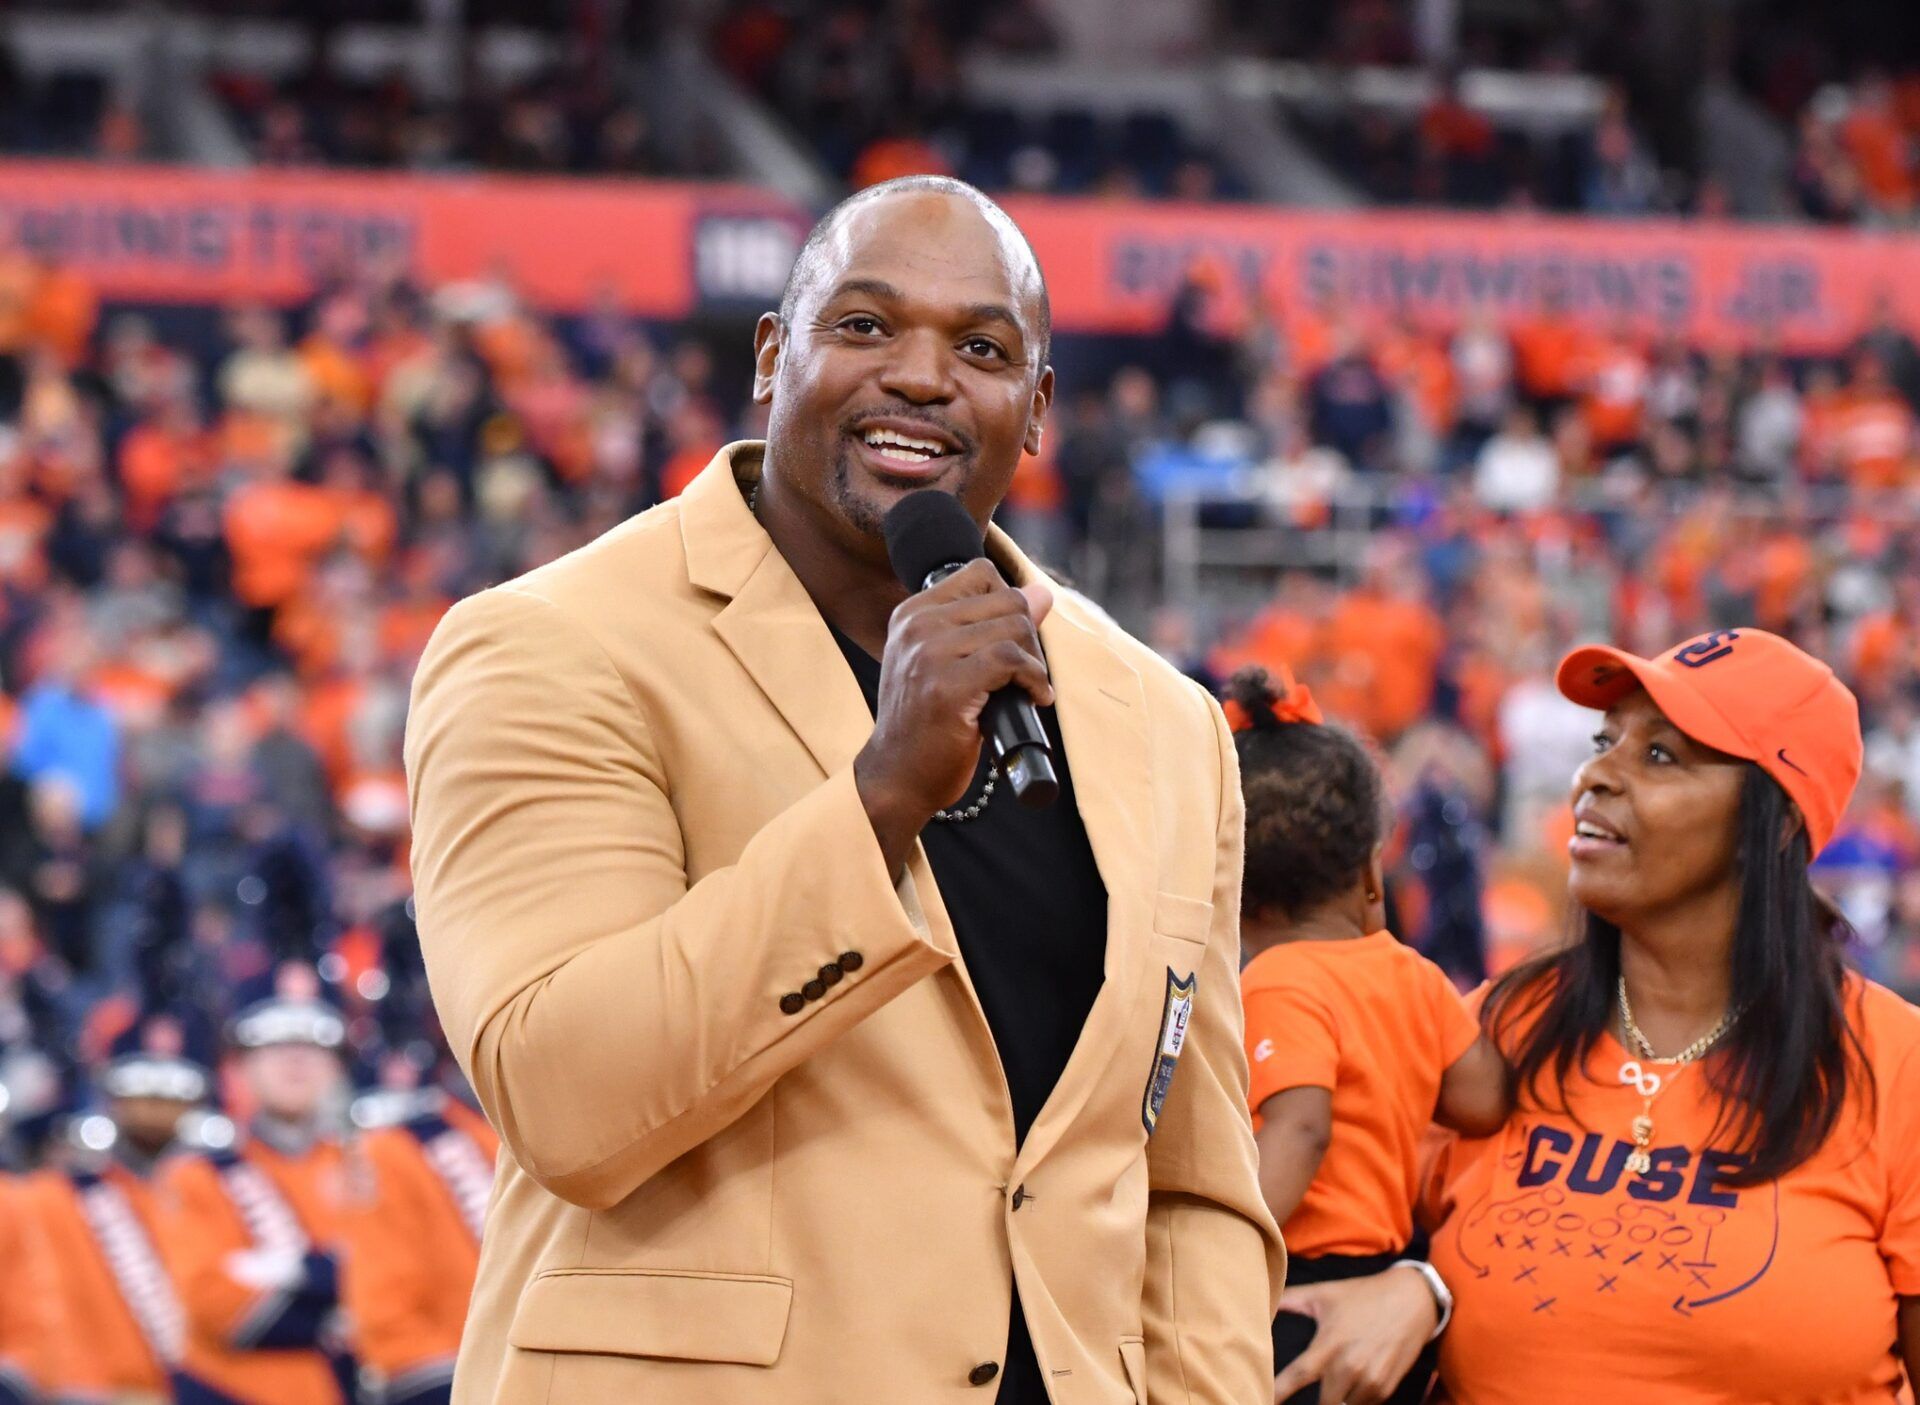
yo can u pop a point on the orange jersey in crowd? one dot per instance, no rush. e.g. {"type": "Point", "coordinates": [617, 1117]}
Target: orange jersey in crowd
{"type": "Point", "coordinates": [414, 1216]}
{"type": "Point", "coordinates": [1549, 353]}
{"type": "Point", "coordinates": [1384, 652]}
{"type": "Point", "coordinates": [226, 1219]}
{"type": "Point", "coordinates": [1874, 436]}
{"type": "Point", "coordinates": [1614, 394]}
{"type": "Point", "coordinates": [114, 1288]}
{"type": "Point", "coordinates": [1580, 1283]}
{"type": "Point", "coordinates": [276, 531]}
{"type": "Point", "coordinates": [32, 1329]}
{"type": "Point", "coordinates": [1376, 1024]}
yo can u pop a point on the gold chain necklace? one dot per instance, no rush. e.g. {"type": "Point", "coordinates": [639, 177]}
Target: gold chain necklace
{"type": "Point", "coordinates": [1650, 1084]}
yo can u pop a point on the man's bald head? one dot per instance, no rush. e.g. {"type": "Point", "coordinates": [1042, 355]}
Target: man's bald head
{"type": "Point", "coordinates": [805, 273]}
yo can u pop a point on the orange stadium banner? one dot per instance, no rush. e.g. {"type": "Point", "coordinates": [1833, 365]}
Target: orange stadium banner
{"type": "Point", "coordinates": [166, 234]}
{"type": "Point", "coordinates": [161, 234]}
{"type": "Point", "coordinates": [1113, 268]}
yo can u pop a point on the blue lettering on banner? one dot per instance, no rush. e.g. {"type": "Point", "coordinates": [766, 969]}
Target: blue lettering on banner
{"type": "Point", "coordinates": [1657, 287]}
{"type": "Point", "coordinates": [1772, 291]}
{"type": "Point", "coordinates": [202, 238]}
{"type": "Point", "coordinates": [1144, 266]}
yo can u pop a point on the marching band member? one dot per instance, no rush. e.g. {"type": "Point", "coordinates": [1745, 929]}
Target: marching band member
{"type": "Point", "coordinates": [252, 1231]}
{"type": "Point", "coordinates": [125, 1323]}
{"type": "Point", "coordinates": [31, 1331]}
{"type": "Point", "coordinates": [416, 1205]}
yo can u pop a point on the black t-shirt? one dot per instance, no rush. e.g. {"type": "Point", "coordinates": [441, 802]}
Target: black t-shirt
{"type": "Point", "coordinates": [1029, 909]}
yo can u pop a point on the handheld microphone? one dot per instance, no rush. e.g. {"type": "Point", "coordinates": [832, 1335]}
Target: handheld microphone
{"type": "Point", "coordinates": [930, 536]}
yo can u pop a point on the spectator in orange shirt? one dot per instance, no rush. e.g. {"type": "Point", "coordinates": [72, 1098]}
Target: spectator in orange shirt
{"type": "Point", "coordinates": [1886, 644]}
{"type": "Point", "coordinates": [1874, 428]}
{"type": "Point", "coordinates": [693, 438]}
{"type": "Point", "coordinates": [1613, 390]}
{"type": "Point", "coordinates": [160, 456]}
{"type": "Point", "coordinates": [1285, 637]}
{"type": "Point", "coordinates": [407, 621]}
{"type": "Point", "coordinates": [900, 154]}
{"type": "Point", "coordinates": [62, 311]}
{"type": "Point", "coordinates": [332, 353]}
{"type": "Point", "coordinates": [277, 528]}
{"type": "Point", "coordinates": [1549, 352]}
{"type": "Point", "coordinates": [1873, 137]}
{"type": "Point", "coordinates": [1822, 411]}
{"type": "Point", "coordinates": [368, 524]}
{"type": "Point", "coordinates": [1382, 647]}
{"type": "Point", "coordinates": [1354, 1041]}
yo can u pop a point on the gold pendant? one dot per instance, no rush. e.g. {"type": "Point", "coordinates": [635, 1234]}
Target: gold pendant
{"type": "Point", "coordinates": [1638, 1161]}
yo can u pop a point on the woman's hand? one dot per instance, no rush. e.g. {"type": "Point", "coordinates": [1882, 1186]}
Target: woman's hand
{"type": "Point", "coordinates": [1371, 1330]}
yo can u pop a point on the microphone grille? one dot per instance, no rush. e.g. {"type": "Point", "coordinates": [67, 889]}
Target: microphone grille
{"type": "Point", "coordinates": [925, 531]}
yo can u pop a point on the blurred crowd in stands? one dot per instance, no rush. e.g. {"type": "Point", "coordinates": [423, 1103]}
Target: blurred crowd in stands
{"type": "Point", "coordinates": [224, 542]}
{"type": "Point", "coordinates": [1858, 155]}
{"type": "Point", "coordinates": [877, 89]}
{"type": "Point", "coordinates": [558, 122]}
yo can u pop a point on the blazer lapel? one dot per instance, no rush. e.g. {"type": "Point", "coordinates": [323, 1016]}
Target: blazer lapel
{"type": "Point", "coordinates": [780, 639]}
{"type": "Point", "coordinates": [777, 633]}
{"type": "Point", "coordinates": [1101, 704]}
{"type": "Point", "coordinates": [770, 622]}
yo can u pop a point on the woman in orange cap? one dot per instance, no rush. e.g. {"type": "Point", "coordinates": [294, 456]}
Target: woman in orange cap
{"type": "Point", "coordinates": [1709, 1190]}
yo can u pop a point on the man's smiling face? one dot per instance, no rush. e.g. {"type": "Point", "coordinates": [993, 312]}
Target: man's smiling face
{"type": "Point", "coordinates": [911, 358]}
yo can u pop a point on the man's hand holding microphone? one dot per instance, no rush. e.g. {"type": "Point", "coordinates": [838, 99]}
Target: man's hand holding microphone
{"type": "Point", "coordinates": [950, 648]}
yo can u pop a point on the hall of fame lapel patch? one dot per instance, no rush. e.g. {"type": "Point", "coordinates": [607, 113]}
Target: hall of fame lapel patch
{"type": "Point", "coordinates": [1174, 1015]}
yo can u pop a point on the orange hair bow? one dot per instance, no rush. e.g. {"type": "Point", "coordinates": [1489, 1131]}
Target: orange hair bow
{"type": "Point", "coordinates": [1294, 704]}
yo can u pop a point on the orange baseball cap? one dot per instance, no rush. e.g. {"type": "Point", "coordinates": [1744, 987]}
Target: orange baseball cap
{"type": "Point", "coordinates": [1750, 694]}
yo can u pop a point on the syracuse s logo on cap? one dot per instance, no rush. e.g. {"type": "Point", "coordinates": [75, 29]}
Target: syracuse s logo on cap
{"type": "Point", "coordinates": [1698, 653]}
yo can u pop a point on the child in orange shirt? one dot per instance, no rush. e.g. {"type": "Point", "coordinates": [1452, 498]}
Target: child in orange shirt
{"type": "Point", "coordinates": [1355, 1042]}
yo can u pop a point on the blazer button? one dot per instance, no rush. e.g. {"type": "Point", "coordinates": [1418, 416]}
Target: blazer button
{"type": "Point", "coordinates": [983, 1373]}
{"type": "Point", "coordinates": [1019, 1197]}
{"type": "Point", "coordinates": [831, 973]}
{"type": "Point", "coordinates": [792, 1003]}
{"type": "Point", "coordinates": [851, 961]}
{"type": "Point", "coordinates": [814, 989]}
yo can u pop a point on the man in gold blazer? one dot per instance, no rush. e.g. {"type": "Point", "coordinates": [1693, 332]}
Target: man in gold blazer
{"type": "Point", "coordinates": [827, 1073]}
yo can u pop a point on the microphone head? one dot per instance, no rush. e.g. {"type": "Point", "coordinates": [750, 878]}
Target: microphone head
{"type": "Point", "coordinates": [925, 531]}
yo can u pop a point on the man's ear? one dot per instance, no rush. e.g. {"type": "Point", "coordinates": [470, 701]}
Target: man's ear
{"type": "Point", "coordinates": [769, 340]}
{"type": "Point", "coordinates": [1037, 415]}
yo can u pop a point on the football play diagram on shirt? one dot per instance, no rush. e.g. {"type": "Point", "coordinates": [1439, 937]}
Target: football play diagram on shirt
{"type": "Point", "coordinates": [1575, 1225]}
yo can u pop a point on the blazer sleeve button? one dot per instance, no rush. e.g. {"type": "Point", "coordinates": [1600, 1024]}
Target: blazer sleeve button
{"type": "Point", "coordinates": [983, 1373]}
{"type": "Point", "coordinates": [792, 1003]}
{"type": "Point", "coordinates": [814, 989]}
{"type": "Point", "coordinates": [831, 973]}
{"type": "Point", "coordinates": [851, 961]}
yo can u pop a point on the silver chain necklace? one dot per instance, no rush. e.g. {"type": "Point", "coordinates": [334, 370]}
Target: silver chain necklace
{"type": "Point", "coordinates": [960, 814]}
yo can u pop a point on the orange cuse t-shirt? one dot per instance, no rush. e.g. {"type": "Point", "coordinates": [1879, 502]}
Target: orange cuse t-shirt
{"type": "Point", "coordinates": [1376, 1024]}
{"type": "Point", "coordinates": [1577, 1283]}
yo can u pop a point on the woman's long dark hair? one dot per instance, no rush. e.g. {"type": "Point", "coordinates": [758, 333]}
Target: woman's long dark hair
{"type": "Point", "coordinates": [1783, 1071]}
